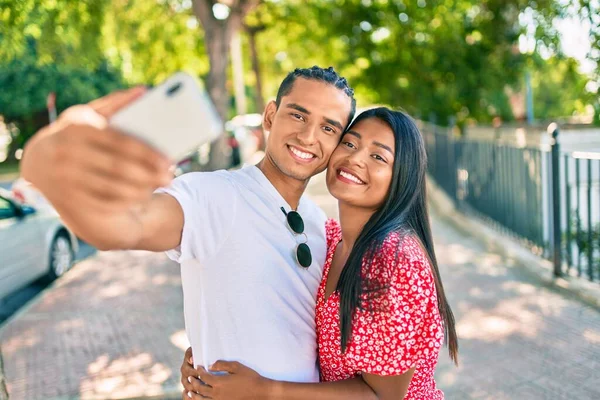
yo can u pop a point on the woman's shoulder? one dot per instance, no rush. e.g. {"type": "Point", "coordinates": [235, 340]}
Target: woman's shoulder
{"type": "Point", "coordinates": [402, 255]}
{"type": "Point", "coordinates": [333, 230]}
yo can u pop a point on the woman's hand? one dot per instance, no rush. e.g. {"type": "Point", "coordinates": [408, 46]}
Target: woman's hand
{"type": "Point", "coordinates": [188, 374]}
{"type": "Point", "coordinates": [240, 383]}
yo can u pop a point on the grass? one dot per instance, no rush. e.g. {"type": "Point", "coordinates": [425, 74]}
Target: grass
{"type": "Point", "coordinates": [9, 171]}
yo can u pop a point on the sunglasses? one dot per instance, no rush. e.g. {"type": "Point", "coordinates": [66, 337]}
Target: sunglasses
{"type": "Point", "coordinates": [296, 224]}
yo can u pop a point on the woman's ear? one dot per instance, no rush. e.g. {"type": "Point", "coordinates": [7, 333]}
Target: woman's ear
{"type": "Point", "coordinates": [269, 115]}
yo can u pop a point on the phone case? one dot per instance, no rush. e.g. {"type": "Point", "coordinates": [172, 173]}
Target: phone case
{"type": "Point", "coordinates": [175, 117]}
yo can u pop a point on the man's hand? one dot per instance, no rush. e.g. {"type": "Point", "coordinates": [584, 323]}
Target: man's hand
{"type": "Point", "coordinates": [81, 161]}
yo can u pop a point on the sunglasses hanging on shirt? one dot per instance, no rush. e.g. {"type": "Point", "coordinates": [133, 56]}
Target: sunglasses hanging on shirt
{"type": "Point", "coordinates": [296, 224]}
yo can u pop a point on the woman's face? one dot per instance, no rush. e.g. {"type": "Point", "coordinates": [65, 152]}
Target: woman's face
{"type": "Point", "coordinates": [360, 168]}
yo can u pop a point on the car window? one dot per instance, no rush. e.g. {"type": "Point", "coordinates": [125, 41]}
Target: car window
{"type": "Point", "coordinates": [6, 209]}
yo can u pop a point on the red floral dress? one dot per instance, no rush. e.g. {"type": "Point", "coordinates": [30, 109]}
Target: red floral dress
{"type": "Point", "coordinates": [404, 329]}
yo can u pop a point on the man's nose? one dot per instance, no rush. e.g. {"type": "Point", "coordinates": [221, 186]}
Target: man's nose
{"type": "Point", "coordinates": [308, 135]}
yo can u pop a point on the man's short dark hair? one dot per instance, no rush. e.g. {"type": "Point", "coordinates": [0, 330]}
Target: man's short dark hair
{"type": "Point", "coordinates": [317, 74]}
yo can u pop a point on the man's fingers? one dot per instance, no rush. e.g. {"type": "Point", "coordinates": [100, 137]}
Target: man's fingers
{"type": "Point", "coordinates": [117, 168]}
{"type": "Point", "coordinates": [108, 105]}
{"type": "Point", "coordinates": [129, 146]}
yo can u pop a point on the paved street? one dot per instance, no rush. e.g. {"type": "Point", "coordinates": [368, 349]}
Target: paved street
{"type": "Point", "coordinates": [113, 328]}
{"type": "Point", "coordinates": [13, 302]}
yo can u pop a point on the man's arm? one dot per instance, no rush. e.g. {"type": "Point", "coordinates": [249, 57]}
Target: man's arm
{"type": "Point", "coordinates": [101, 181]}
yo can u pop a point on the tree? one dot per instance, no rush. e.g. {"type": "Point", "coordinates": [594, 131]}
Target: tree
{"type": "Point", "coordinates": [589, 11]}
{"type": "Point", "coordinates": [26, 83]}
{"type": "Point", "coordinates": [446, 58]}
{"type": "Point", "coordinates": [218, 33]}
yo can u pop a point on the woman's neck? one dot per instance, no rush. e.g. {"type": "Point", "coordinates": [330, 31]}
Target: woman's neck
{"type": "Point", "coordinates": [352, 221]}
{"type": "Point", "coordinates": [289, 188]}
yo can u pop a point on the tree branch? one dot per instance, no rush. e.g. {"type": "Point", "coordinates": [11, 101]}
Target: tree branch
{"type": "Point", "coordinates": [248, 5]}
{"type": "Point", "coordinates": [203, 11]}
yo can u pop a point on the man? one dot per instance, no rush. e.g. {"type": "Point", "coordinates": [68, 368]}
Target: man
{"type": "Point", "coordinates": [250, 265]}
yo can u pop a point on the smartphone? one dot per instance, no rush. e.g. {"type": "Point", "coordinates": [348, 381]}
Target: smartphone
{"type": "Point", "coordinates": [175, 117]}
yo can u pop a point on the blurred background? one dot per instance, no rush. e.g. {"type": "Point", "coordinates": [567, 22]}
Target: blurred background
{"type": "Point", "coordinates": [506, 93]}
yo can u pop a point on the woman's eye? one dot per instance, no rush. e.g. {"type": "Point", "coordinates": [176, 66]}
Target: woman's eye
{"type": "Point", "coordinates": [328, 129]}
{"type": "Point", "coordinates": [379, 158]}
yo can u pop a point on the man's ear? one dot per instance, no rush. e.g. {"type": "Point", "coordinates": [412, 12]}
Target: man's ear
{"type": "Point", "coordinates": [269, 115]}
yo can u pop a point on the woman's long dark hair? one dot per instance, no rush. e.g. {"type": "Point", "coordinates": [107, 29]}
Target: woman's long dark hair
{"type": "Point", "coordinates": [404, 211]}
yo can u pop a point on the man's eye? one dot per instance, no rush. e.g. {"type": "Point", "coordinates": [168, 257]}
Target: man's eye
{"type": "Point", "coordinates": [328, 129]}
{"type": "Point", "coordinates": [349, 145]}
{"type": "Point", "coordinates": [298, 117]}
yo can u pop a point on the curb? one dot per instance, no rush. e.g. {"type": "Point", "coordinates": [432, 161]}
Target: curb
{"type": "Point", "coordinates": [170, 393]}
{"type": "Point", "coordinates": [40, 296]}
{"type": "Point", "coordinates": [534, 266]}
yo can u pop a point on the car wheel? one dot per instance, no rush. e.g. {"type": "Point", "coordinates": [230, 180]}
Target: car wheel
{"type": "Point", "coordinates": [61, 256]}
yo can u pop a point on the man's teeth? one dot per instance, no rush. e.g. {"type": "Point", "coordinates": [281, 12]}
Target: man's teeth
{"type": "Point", "coordinates": [351, 177]}
{"type": "Point", "coordinates": [301, 154]}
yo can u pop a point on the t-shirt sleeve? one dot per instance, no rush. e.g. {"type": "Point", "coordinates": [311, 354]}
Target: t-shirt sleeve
{"type": "Point", "coordinates": [208, 201]}
{"type": "Point", "coordinates": [390, 338]}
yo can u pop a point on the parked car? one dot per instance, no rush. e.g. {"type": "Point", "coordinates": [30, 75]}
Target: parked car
{"type": "Point", "coordinates": [34, 243]}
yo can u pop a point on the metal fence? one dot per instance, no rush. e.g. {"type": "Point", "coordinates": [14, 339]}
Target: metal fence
{"type": "Point", "coordinates": [580, 173]}
{"type": "Point", "coordinates": [548, 199]}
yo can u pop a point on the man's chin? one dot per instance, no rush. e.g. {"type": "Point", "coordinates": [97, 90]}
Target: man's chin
{"type": "Point", "coordinates": [301, 174]}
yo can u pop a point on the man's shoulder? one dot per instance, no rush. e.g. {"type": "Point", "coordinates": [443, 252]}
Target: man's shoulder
{"type": "Point", "coordinates": [317, 214]}
{"type": "Point", "coordinates": [213, 181]}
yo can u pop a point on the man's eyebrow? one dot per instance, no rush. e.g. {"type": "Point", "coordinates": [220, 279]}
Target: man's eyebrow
{"type": "Point", "coordinates": [354, 133]}
{"type": "Point", "coordinates": [334, 123]}
{"type": "Point", "coordinates": [297, 107]}
{"type": "Point", "coordinates": [305, 111]}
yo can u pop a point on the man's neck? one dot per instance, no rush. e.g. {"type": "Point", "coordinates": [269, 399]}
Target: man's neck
{"type": "Point", "coordinates": [289, 188]}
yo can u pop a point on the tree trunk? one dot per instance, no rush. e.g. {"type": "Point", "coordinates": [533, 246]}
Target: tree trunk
{"type": "Point", "coordinates": [217, 38]}
{"type": "Point", "coordinates": [237, 66]}
{"type": "Point", "coordinates": [218, 44]}
{"type": "Point", "coordinates": [259, 99]}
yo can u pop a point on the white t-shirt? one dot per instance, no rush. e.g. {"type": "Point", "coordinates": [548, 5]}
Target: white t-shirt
{"type": "Point", "coordinates": [245, 297]}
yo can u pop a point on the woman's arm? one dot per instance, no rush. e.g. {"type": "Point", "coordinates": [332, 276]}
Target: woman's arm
{"type": "Point", "coordinates": [368, 387]}
{"type": "Point", "coordinates": [243, 383]}
{"type": "Point", "coordinates": [393, 387]}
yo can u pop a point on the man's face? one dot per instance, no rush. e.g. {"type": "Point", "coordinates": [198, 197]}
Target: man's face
{"type": "Point", "coordinates": [306, 127]}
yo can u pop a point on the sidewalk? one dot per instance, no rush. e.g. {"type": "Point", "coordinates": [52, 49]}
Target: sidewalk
{"type": "Point", "coordinates": [113, 328]}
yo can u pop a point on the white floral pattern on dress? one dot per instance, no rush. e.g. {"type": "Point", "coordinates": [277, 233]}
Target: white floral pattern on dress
{"type": "Point", "coordinates": [403, 331]}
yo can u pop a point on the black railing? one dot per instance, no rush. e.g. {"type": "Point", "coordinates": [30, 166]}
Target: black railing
{"type": "Point", "coordinates": [548, 199]}
{"type": "Point", "coordinates": [581, 238]}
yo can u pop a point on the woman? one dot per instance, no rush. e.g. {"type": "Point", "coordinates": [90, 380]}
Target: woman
{"type": "Point", "coordinates": [381, 309]}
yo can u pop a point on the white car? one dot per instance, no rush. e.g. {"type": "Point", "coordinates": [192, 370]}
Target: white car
{"type": "Point", "coordinates": [34, 243]}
